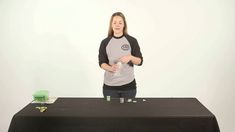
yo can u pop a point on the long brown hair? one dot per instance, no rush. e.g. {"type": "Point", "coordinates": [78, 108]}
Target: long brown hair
{"type": "Point", "coordinates": [110, 33]}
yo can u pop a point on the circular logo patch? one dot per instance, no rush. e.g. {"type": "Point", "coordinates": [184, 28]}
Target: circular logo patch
{"type": "Point", "coordinates": [125, 47]}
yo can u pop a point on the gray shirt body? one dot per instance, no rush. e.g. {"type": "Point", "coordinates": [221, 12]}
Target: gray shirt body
{"type": "Point", "coordinates": [117, 48]}
{"type": "Point", "coordinates": [111, 50]}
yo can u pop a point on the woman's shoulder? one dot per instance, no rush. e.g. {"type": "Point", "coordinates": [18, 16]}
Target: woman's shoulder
{"type": "Point", "coordinates": [106, 40]}
{"type": "Point", "coordinates": [130, 38]}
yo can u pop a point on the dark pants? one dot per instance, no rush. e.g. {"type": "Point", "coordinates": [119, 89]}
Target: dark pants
{"type": "Point", "coordinates": [119, 93]}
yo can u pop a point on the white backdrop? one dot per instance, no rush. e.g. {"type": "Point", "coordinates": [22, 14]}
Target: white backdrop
{"type": "Point", "coordinates": [187, 45]}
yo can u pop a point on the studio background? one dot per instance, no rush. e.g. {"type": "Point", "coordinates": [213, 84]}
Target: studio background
{"type": "Point", "coordinates": [188, 48]}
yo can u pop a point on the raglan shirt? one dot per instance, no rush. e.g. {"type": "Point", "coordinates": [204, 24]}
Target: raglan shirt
{"type": "Point", "coordinates": [113, 48]}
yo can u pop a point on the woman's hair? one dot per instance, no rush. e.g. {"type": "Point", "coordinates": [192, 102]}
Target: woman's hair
{"type": "Point", "coordinates": [110, 33]}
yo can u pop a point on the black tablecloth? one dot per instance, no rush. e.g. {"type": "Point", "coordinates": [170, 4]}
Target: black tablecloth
{"type": "Point", "coordinates": [98, 115]}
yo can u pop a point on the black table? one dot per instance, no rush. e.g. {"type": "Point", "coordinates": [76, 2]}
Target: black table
{"type": "Point", "coordinates": [98, 115]}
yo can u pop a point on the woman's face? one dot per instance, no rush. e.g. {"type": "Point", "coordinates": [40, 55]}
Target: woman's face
{"type": "Point", "coordinates": [118, 25]}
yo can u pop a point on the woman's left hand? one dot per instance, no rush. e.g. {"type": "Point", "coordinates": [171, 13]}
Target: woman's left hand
{"type": "Point", "coordinates": [126, 58]}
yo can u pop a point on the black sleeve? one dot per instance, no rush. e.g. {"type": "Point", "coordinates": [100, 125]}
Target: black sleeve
{"type": "Point", "coordinates": [103, 58]}
{"type": "Point", "coordinates": [135, 49]}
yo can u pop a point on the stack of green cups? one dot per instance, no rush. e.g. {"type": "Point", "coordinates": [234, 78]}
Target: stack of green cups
{"type": "Point", "coordinates": [41, 95]}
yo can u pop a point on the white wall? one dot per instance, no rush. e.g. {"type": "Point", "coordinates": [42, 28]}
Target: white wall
{"type": "Point", "coordinates": [188, 49]}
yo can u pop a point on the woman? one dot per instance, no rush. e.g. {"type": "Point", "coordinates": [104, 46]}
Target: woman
{"type": "Point", "coordinates": [118, 53]}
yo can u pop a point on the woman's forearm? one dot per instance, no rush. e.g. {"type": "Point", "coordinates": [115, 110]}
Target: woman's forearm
{"type": "Point", "coordinates": [135, 60]}
{"type": "Point", "coordinates": [106, 67]}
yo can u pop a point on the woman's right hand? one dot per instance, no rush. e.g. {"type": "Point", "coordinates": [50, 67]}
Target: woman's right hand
{"type": "Point", "coordinates": [110, 68]}
{"type": "Point", "coordinates": [114, 68]}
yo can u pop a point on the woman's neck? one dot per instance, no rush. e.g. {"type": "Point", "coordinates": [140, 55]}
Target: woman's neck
{"type": "Point", "coordinates": [117, 34]}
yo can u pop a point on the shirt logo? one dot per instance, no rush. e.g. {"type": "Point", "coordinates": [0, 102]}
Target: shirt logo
{"type": "Point", "coordinates": [125, 47]}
